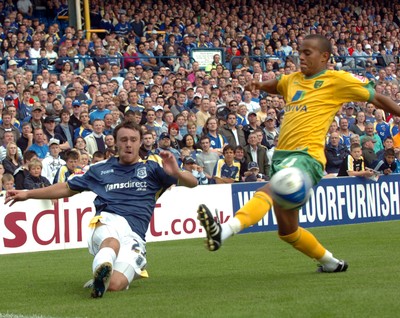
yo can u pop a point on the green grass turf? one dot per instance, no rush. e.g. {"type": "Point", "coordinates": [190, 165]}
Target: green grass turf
{"type": "Point", "coordinates": [253, 275]}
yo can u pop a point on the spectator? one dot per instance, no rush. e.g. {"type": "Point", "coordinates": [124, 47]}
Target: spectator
{"type": "Point", "coordinates": [7, 138]}
{"type": "Point", "coordinates": [164, 144]}
{"type": "Point", "coordinates": [359, 125]}
{"type": "Point", "coordinates": [100, 110]}
{"type": "Point", "coordinates": [188, 142]}
{"type": "Point", "coordinates": [349, 114]}
{"type": "Point", "coordinates": [251, 126]}
{"type": "Point", "coordinates": [86, 128]}
{"type": "Point", "coordinates": [49, 125]}
{"type": "Point", "coordinates": [254, 174]}
{"type": "Point", "coordinates": [7, 181]}
{"type": "Point", "coordinates": [335, 153]}
{"type": "Point", "coordinates": [8, 126]}
{"type": "Point", "coordinates": [40, 143]}
{"type": "Point", "coordinates": [387, 165]}
{"type": "Point", "coordinates": [207, 159]}
{"type": "Point", "coordinates": [190, 164]}
{"type": "Point", "coordinates": [353, 164]}
{"type": "Point", "coordinates": [227, 170]}
{"type": "Point", "coordinates": [97, 157]}
{"type": "Point", "coordinates": [344, 132]}
{"type": "Point", "coordinates": [65, 130]}
{"type": "Point", "coordinates": [202, 114]}
{"type": "Point", "coordinates": [96, 140]}
{"type": "Point", "coordinates": [217, 141]}
{"type": "Point", "coordinates": [233, 134]}
{"type": "Point", "coordinates": [257, 153]}
{"type": "Point", "coordinates": [70, 168]}
{"type": "Point", "coordinates": [148, 145]}
{"type": "Point", "coordinates": [387, 144]}
{"type": "Point", "coordinates": [13, 160]}
{"type": "Point", "coordinates": [26, 140]}
{"type": "Point", "coordinates": [34, 180]}
{"type": "Point", "coordinates": [369, 132]}
{"type": "Point", "coordinates": [52, 163]}
{"type": "Point", "coordinates": [368, 152]}
{"type": "Point", "coordinates": [270, 130]}
{"type": "Point", "coordinates": [381, 127]}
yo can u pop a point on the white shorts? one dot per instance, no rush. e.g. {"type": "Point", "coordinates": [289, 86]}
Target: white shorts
{"type": "Point", "coordinates": [131, 259]}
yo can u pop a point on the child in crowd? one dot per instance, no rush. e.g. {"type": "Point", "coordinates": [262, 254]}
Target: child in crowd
{"type": "Point", "coordinates": [97, 156]}
{"type": "Point", "coordinates": [253, 173]}
{"type": "Point", "coordinates": [353, 164]}
{"type": "Point", "coordinates": [190, 164]}
{"type": "Point", "coordinates": [8, 181]}
{"type": "Point", "coordinates": [34, 179]}
{"type": "Point", "coordinates": [387, 165]}
{"type": "Point", "coordinates": [85, 161]}
{"type": "Point", "coordinates": [71, 167]}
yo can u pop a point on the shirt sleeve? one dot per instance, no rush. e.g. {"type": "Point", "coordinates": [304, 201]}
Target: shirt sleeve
{"type": "Point", "coordinates": [82, 182]}
{"type": "Point", "coordinates": [351, 87]}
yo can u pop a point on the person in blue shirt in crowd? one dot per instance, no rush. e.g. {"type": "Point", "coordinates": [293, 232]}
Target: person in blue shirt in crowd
{"type": "Point", "coordinates": [126, 189]}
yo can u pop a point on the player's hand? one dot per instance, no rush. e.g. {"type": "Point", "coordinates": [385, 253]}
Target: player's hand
{"type": "Point", "coordinates": [169, 163]}
{"type": "Point", "coordinates": [15, 196]}
{"type": "Point", "coordinates": [252, 86]}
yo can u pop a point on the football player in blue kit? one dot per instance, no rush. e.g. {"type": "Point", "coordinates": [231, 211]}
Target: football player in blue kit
{"type": "Point", "coordinates": [127, 189]}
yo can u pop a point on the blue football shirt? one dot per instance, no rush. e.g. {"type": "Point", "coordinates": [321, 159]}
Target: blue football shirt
{"type": "Point", "coordinates": [127, 190]}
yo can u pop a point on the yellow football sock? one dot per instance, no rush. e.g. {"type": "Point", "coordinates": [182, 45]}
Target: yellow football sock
{"type": "Point", "coordinates": [305, 242]}
{"type": "Point", "coordinates": [254, 210]}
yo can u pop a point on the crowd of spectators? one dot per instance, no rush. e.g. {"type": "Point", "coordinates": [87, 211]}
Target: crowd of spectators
{"type": "Point", "coordinates": [62, 94]}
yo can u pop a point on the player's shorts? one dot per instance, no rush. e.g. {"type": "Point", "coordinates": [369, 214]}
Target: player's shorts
{"type": "Point", "coordinates": [297, 158]}
{"type": "Point", "coordinates": [131, 259]}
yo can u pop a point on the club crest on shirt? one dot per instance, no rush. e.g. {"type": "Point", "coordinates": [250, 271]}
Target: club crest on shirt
{"type": "Point", "coordinates": [141, 173]}
{"type": "Point", "coordinates": [318, 84]}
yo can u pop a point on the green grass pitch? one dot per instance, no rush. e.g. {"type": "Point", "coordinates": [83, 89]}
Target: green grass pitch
{"type": "Point", "coordinates": [253, 275]}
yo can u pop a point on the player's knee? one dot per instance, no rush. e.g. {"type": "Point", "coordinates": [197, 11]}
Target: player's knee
{"type": "Point", "coordinates": [111, 242]}
{"type": "Point", "coordinates": [118, 282]}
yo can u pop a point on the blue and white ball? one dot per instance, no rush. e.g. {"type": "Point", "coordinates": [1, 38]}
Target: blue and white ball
{"type": "Point", "coordinates": [290, 188]}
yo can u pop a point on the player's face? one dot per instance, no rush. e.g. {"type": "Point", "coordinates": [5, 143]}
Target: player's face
{"type": "Point", "coordinates": [312, 60]}
{"type": "Point", "coordinates": [128, 144]}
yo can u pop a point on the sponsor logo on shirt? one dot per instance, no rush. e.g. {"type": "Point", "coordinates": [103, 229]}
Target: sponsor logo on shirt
{"type": "Point", "coordinates": [298, 96]}
{"type": "Point", "coordinates": [138, 185]}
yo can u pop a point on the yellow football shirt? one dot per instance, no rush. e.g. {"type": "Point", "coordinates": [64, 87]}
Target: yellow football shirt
{"type": "Point", "coordinates": [311, 105]}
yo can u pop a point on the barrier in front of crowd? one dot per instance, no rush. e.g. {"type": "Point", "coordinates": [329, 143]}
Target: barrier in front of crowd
{"type": "Point", "coordinates": [37, 225]}
{"type": "Point", "coordinates": [202, 55]}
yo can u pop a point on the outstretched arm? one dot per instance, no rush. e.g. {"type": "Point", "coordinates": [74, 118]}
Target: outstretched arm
{"type": "Point", "coordinates": [185, 178]}
{"type": "Point", "coordinates": [56, 191]}
{"type": "Point", "coordinates": [386, 103]}
{"type": "Point", "coordinates": [267, 86]}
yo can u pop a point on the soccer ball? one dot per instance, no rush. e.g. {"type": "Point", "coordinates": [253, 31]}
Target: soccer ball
{"type": "Point", "coordinates": [290, 188]}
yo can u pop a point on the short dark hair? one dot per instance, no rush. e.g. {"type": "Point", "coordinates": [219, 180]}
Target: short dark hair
{"type": "Point", "coordinates": [324, 44]}
{"type": "Point", "coordinates": [72, 154]}
{"type": "Point", "coordinates": [28, 155]}
{"type": "Point", "coordinates": [389, 152]}
{"type": "Point", "coordinates": [353, 146]}
{"type": "Point", "coordinates": [228, 147]}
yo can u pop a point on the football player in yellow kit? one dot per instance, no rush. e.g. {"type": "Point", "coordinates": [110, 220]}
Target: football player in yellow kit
{"type": "Point", "coordinates": [313, 96]}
